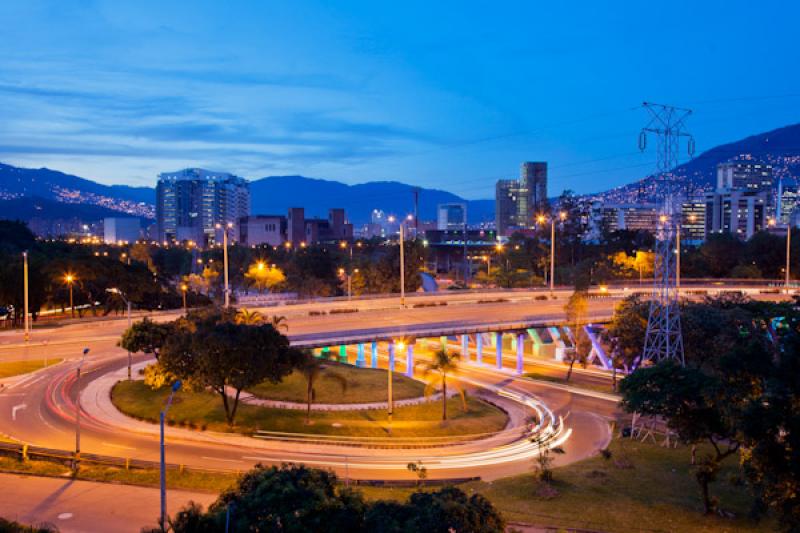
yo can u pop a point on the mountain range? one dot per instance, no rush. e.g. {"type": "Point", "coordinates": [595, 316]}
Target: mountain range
{"type": "Point", "coordinates": [275, 194]}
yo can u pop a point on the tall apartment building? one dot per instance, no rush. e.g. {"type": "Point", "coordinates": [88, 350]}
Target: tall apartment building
{"type": "Point", "coordinates": [518, 201]}
{"type": "Point", "coordinates": [693, 220]}
{"type": "Point", "coordinates": [191, 202]}
{"type": "Point", "coordinates": [747, 175]}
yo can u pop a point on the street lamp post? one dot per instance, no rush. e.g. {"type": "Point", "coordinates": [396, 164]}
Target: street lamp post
{"type": "Point", "coordinates": [184, 288]}
{"type": "Point", "coordinates": [225, 260]}
{"type": "Point", "coordinates": [26, 318]}
{"type": "Point", "coordinates": [175, 387]}
{"type": "Point", "coordinates": [788, 252]}
{"type": "Point", "coordinates": [70, 279]}
{"type": "Point", "coordinates": [541, 219]}
{"type": "Point", "coordinates": [78, 412]}
{"type": "Point", "coordinates": [402, 264]}
{"type": "Point", "coordinates": [128, 305]}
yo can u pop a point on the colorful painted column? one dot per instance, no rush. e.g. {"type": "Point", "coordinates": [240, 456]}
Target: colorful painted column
{"type": "Point", "coordinates": [465, 347]}
{"type": "Point", "coordinates": [520, 351]}
{"type": "Point", "coordinates": [479, 348]}
{"type": "Point", "coordinates": [343, 354]}
{"type": "Point", "coordinates": [410, 360]}
{"type": "Point", "coordinates": [374, 354]}
{"type": "Point", "coordinates": [361, 362]}
{"type": "Point", "coordinates": [391, 355]}
{"type": "Point", "coordinates": [498, 339]}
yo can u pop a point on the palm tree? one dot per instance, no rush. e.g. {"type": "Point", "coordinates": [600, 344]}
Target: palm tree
{"type": "Point", "coordinates": [444, 363]}
{"type": "Point", "coordinates": [312, 369]}
{"type": "Point", "coordinates": [249, 318]}
{"type": "Point", "coordinates": [279, 322]}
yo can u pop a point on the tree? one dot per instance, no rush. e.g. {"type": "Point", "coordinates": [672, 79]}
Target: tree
{"type": "Point", "coordinates": [249, 318]}
{"type": "Point", "coordinates": [264, 277]}
{"type": "Point", "coordinates": [212, 351]}
{"type": "Point", "coordinates": [280, 323]}
{"type": "Point", "coordinates": [450, 509]}
{"type": "Point", "coordinates": [444, 363]}
{"type": "Point", "coordinates": [576, 309]}
{"type": "Point", "coordinates": [312, 369]}
{"type": "Point", "coordinates": [626, 332]}
{"type": "Point", "coordinates": [146, 336]}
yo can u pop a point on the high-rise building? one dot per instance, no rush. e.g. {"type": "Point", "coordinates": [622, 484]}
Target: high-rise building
{"type": "Point", "coordinates": [693, 220]}
{"type": "Point", "coordinates": [745, 175]}
{"type": "Point", "coordinates": [517, 202]}
{"type": "Point", "coordinates": [451, 217]}
{"type": "Point", "coordinates": [190, 204]}
{"type": "Point", "coordinates": [788, 204]}
{"type": "Point", "coordinates": [608, 217]}
{"type": "Point", "coordinates": [739, 212]}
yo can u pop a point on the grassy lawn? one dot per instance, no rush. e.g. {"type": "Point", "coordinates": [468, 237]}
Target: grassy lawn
{"type": "Point", "coordinates": [15, 368]}
{"type": "Point", "coordinates": [657, 492]}
{"type": "Point", "coordinates": [189, 480]}
{"type": "Point", "coordinates": [204, 410]}
{"type": "Point", "coordinates": [573, 382]}
{"type": "Point", "coordinates": [364, 385]}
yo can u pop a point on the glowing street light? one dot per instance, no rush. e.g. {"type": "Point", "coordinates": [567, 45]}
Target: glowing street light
{"type": "Point", "coordinates": [69, 279]}
{"type": "Point", "coordinates": [562, 216]}
{"type": "Point", "coordinates": [184, 288]}
{"type": "Point", "coordinates": [228, 226]}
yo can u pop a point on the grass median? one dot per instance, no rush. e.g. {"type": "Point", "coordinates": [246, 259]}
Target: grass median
{"type": "Point", "coordinates": [16, 368]}
{"type": "Point", "coordinates": [203, 410]}
{"type": "Point", "coordinates": [364, 385]}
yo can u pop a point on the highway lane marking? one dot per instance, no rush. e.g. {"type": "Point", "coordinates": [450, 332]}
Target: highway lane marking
{"type": "Point", "coordinates": [17, 408]}
{"type": "Point", "coordinates": [221, 459]}
{"type": "Point", "coordinates": [117, 446]}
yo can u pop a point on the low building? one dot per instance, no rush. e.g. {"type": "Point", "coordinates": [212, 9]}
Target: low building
{"type": "Point", "coordinates": [739, 212]}
{"type": "Point", "coordinates": [121, 229]}
{"type": "Point", "coordinates": [607, 217]}
{"type": "Point", "coordinates": [255, 230]}
{"type": "Point", "coordinates": [451, 216]}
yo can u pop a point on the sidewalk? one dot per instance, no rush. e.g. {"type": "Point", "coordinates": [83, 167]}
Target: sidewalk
{"type": "Point", "coordinates": [86, 506]}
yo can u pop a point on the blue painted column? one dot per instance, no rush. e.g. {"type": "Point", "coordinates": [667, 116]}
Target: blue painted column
{"type": "Point", "coordinates": [410, 361]}
{"type": "Point", "coordinates": [360, 361]}
{"type": "Point", "coordinates": [374, 354]}
{"type": "Point", "coordinates": [343, 354]}
{"type": "Point", "coordinates": [520, 351]}
{"type": "Point", "coordinates": [499, 344]}
{"type": "Point", "coordinates": [465, 347]}
{"type": "Point", "coordinates": [391, 355]}
{"type": "Point", "coordinates": [479, 348]}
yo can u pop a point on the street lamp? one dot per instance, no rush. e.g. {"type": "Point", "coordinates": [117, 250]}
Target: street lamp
{"type": "Point", "coordinates": [25, 295]}
{"type": "Point", "coordinates": [69, 279]}
{"type": "Point", "coordinates": [128, 305]}
{"type": "Point", "coordinates": [78, 411]}
{"type": "Point", "coordinates": [184, 288]}
{"type": "Point", "coordinates": [225, 229]}
{"type": "Point", "coordinates": [772, 222]}
{"type": "Point", "coordinates": [402, 261]}
{"type": "Point", "coordinates": [175, 387]}
{"type": "Point", "coordinates": [541, 219]}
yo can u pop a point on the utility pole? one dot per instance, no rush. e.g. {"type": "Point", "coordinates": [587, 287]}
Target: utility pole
{"type": "Point", "coordinates": [402, 268]}
{"type": "Point", "coordinates": [416, 212]}
{"type": "Point", "coordinates": [663, 339]}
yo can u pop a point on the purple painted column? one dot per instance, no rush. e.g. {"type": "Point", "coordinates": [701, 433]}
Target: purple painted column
{"type": "Point", "coordinates": [465, 347]}
{"type": "Point", "coordinates": [520, 351]}
{"type": "Point", "coordinates": [361, 362]}
{"type": "Point", "coordinates": [479, 348]}
{"type": "Point", "coordinates": [410, 361]}
{"type": "Point", "coordinates": [499, 344]}
{"type": "Point", "coordinates": [391, 355]}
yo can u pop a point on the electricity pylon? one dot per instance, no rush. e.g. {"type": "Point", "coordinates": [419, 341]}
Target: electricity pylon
{"type": "Point", "coordinates": [663, 339]}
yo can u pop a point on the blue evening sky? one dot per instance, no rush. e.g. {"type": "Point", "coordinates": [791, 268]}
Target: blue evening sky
{"type": "Point", "coordinates": [451, 95]}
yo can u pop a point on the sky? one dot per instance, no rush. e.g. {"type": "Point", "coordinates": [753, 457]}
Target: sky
{"type": "Point", "coordinates": [448, 95]}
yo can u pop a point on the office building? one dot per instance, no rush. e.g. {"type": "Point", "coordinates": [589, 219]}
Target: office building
{"type": "Point", "coordinates": [118, 230]}
{"type": "Point", "coordinates": [693, 220]}
{"type": "Point", "coordinates": [606, 217]}
{"type": "Point", "coordinates": [739, 212]}
{"type": "Point", "coordinates": [788, 204]}
{"type": "Point", "coordinates": [256, 230]}
{"type": "Point", "coordinates": [745, 175]}
{"type": "Point", "coordinates": [302, 230]}
{"type": "Point", "coordinates": [191, 202]}
{"type": "Point", "coordinates": [451, 216]}
{"type": "Point", "coordinates": [517, 202]}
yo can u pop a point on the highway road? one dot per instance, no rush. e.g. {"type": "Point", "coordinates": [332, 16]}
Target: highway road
{"type": "Point", "coordinates": [39, 409]}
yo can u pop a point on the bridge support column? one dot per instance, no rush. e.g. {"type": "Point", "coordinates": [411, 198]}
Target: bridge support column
{"type": "Point", "coordinates": [465, 347]}
{"type": "Point", "coordinates": [374, 354]}
{"type": "Point", "coordinates": [443, 340]}
{"type": "Point", "coordinates": [479, 348]}
{"type": "Point", "coordinates": [325, 352]}
{"type": "Point", "coordinates": [391, 355]}
{"type": "Point", "coordinates": [520, 351]}
{"type": "Point", "coordinates": [410, 361]}
{"type": "Point", "coordinates": [361, 362]}
{"type": "Point", "coordinates": [498, 339]}
{"type": "Point", "coordinates": [343, 354]}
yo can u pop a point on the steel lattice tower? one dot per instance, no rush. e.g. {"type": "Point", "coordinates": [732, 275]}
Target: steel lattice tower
{"type": "Point", "coordinates": [663, 339]}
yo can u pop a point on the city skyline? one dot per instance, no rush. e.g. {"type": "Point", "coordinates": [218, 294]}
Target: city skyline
{"type": "Point", "coordinates": [361, 93]}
